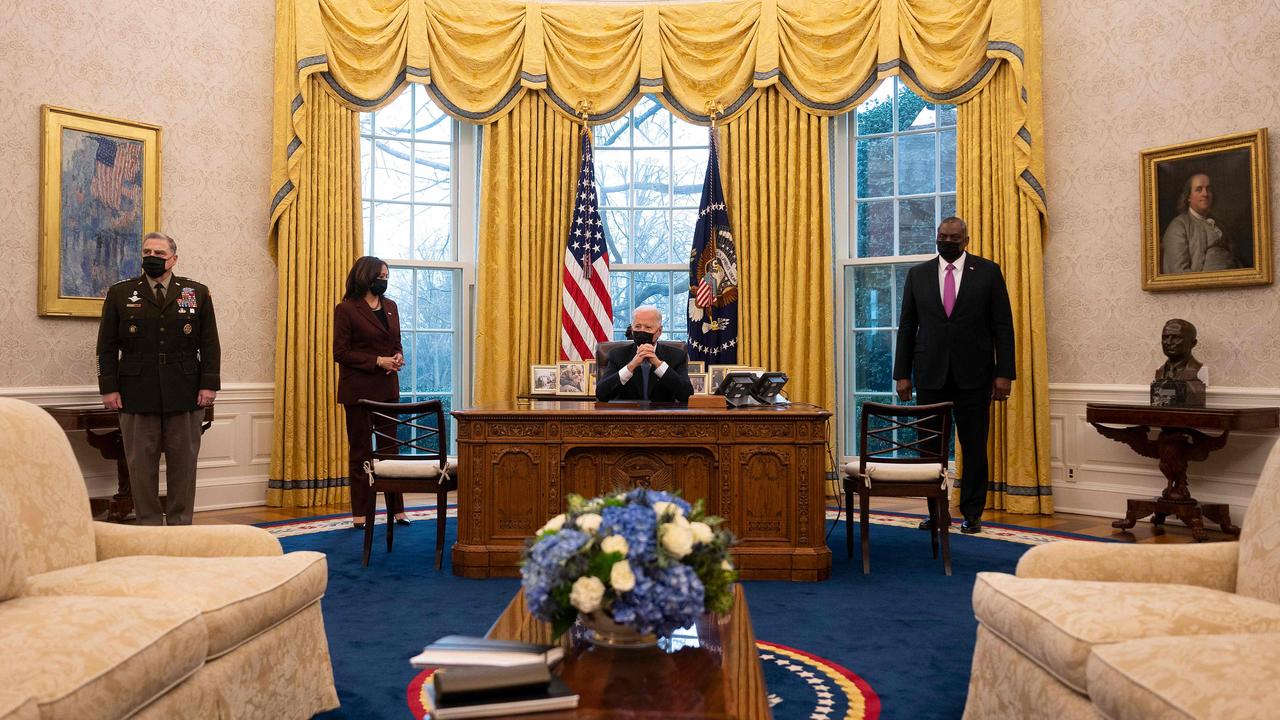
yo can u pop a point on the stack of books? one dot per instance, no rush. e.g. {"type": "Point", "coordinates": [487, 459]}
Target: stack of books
{"type": "Point", "coordinates": [477, 677]}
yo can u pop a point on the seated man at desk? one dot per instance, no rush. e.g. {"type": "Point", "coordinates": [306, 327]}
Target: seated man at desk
{"type": "Point", "coordinates": [645, 370]}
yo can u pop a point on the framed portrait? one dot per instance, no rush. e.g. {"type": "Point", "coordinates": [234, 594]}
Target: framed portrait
{"type": "Point", "coordinates": [699, 381]}
{"type": "Point", "coordinates": [571, 378]}
{"type": "Point", "coordinates": [99, 194]}
{"type": "Point", "coordinates": [542, 380]}
{"type": "Point", "coordinates": [716, 374]}
{"type": "Point", "coordinates": [1206, 214]}
{"type": "Point", "coordinates": [697, 366]}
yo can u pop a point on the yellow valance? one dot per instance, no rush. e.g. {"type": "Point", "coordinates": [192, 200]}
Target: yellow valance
{"type": "Point", "coordinates": [477, 57]}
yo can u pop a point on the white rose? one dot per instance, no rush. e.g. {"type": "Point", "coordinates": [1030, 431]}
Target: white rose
{"type": "Point", "coordinates": [662, 507]}
{"type": "Point", "coordinates": [621, 577]}
{"type": "Point", "coordinates": [615, 543]}
{"type": "Point", "coordinates": [701, 532]}
{"type": "Point", "coordinates": [677, 540]}
{"type": "Point", "coordinates": [554, 524]}
{"type": "Point", "coordinates": [681, 520]}
{"type": "Point", "coordinates": [589, 522]}
{"type": "Point", "coordinates": [586, 594]}
{"type": "Point", "coordinates": [726, 565]}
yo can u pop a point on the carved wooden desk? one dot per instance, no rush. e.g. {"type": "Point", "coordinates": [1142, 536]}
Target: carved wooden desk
{"type": "Point", "coordinates": [107, 440]}
{"type": "Point", "coordinates": [1180, 440]}
{"type": "Point", "coordinates": [761, 469]}
{"type": "Point", "coordinates": [712, 672]}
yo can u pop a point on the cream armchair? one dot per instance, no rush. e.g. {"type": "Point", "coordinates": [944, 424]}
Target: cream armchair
{"type": "Point", "coordinates": [1087, 630]}
{"type": "Point", "coordinates": [111, 621]}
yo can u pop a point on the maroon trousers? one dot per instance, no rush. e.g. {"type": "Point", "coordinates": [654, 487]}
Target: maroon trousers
{"type": "Point", "coordinates": [360, 437]}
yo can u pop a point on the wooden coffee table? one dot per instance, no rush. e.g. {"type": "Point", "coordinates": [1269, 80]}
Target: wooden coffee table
{"type": "Point", "coordinates": [713, 672]}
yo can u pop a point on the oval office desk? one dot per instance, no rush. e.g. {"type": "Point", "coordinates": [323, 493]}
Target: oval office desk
{"type": "Point", "coordinates": [761, 468]}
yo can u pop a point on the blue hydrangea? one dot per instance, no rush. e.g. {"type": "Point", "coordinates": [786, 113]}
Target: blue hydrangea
{"type": "Point", "coordinates": [637, 524]}
{"type": "Point", "coordinates": [648, 497]}
{"type": "Point", "coordinates": [663, 600]}
{"type": "Point", "coordinates": [552, 561]}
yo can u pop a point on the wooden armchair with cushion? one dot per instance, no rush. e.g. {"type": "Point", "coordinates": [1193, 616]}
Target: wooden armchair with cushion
{"type": "Point", "coordinates": [1129, 632]}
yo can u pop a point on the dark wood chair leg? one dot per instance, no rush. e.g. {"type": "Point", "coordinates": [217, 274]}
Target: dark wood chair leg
{"type": "Point", "coordinates": [944, 524]}
{"type": "Point", "coordinates": [368, 535]}
{"type": "Point", "coordinates": [864, 529]}
{"type": "Point", "coordinates": [442, 512]}
{"type": "Point", "coordinates": [847, 500]}
{"type": "Point", "coordinates": [933, 528]}
{"type": "Point", "coordinates": [391, 522]}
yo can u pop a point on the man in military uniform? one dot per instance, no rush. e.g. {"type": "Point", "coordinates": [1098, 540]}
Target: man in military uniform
{"type": "Point", "coordinates": [158, 364]}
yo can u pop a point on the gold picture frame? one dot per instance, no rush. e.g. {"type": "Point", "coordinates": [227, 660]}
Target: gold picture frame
{"type": "Point", "coordinates": [1206, 214]}
{"type": "Point", "coordinates": [99, 194]}
{"type": "Point", "coordinates": [542, 380]}
{"type": "Point", "coordinates": [571, 377]}
{"type": "Point", "coordinates": [700, 382]}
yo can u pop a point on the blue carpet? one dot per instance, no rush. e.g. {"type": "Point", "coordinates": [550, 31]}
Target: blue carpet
{"type": "Point", "coordinates": [906, 629]}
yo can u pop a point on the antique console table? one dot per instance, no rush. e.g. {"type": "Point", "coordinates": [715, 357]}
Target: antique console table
{"type": "Point", "coordinates": [102, 430]}
{"type": "Point", "coordinates": [761, 468]}
{"type": "Point", "coordinates": [1180, 440]}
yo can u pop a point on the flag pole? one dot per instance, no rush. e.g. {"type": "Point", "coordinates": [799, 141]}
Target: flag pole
{"type": "Point", "coordinates": [714, 108]}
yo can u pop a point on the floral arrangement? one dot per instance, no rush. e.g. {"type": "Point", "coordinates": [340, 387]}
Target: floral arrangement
{"type": "Point", "coordinates": [647, 559]}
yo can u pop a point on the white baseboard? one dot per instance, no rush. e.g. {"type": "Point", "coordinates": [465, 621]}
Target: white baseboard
{"type": "Point", "coordinates": [234, 454]}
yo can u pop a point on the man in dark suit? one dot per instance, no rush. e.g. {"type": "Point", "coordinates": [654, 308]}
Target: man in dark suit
{"type": "Point", "coordinates": [159, 364]}
{"type": "Point", "coordinates": [955, 336]}
{"type": "Point", "coordinates": [646, 370]}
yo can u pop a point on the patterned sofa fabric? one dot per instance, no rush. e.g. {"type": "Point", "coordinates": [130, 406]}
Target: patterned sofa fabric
{"type": "Point", "coordinates": [13, 564]}
{"type": "Point", "coordinates": [238, 597]}
{"type": "Point", "coordinates": [95, 657]}
{"type": "Point", "coordinates": [17, 705]}
{"type": "Point", "coordinates": [1057, 623]}
{"type": "Point", "coordinates": [1222, 676]}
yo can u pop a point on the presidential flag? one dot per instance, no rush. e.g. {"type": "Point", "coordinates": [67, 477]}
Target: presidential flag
{"type": "Point", "coordinates": [713, 276]}
{"type": "Point", "coordinates": [586, 311]}
{"type": "Point", "coordinates": [116, 171]}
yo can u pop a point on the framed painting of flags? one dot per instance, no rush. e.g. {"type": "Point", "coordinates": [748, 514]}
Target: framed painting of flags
{"type": "Point", "coordinates": [99, 194]}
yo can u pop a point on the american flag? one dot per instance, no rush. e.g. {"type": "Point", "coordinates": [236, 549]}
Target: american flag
{"type": "Point", "coordinates": [713, 276]}
{"type": "Point", "coordinates": [115, 170]}
{"type": "Point", "coordinates": [586, 313]}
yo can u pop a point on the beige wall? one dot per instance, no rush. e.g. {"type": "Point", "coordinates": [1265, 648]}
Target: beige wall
{"type": "Point", "coordinates": [1121, 77]}
{"type": "Point", "coordinates": [204, 75]}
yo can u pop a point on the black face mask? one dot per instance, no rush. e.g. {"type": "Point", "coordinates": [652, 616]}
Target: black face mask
{"type": "Point", "coordinates": [640, 336]}
{"type": "Point", "coordinates": [950, 251]}
{"type": "Point", "coordinates": [378, 286]}
{"type": "Point", "coordinates": [153, 266]}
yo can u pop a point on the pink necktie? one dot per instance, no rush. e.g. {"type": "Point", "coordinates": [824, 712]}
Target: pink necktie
{"type": "Point", "coordinates": [949, 289]}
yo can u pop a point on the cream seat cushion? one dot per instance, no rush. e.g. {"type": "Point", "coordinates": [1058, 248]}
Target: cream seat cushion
{"type": "Point", "coordinates": [96, 657]}
{"type": "Point", "coordinates": [1057, 623]}
{"type": "Point", "coordinates": [1221, 676]}
{"type": "Point", "coordinates": [16, 705]}
{"type": "Point", "coordinates": [901, 472]}
{"type": "Point", "coordinates": [424, 469]}
{"type": "Point", "coordinates": [239, 597]}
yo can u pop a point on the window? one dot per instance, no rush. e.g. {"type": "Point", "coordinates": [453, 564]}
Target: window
{"type": "Point", "coordinates": [649, 168]}
{"type": "Point", "coordinates": [902, 180]}
{"type": "Point", "coordinates": [412, 189]}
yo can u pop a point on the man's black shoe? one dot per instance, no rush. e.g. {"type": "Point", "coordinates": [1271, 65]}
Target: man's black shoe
{"type": "Point", "coordinates": [970, 527]}
{"type": "Point", "coordinates": [926, 524]}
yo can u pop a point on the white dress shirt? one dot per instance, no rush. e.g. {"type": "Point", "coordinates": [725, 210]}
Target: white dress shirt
{"type": "Point", "coordinates": [958, 272]}
{"type": "Point", "coordinates": [625, 373]}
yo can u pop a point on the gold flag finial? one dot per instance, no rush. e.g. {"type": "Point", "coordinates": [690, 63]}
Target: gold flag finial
{"type": "Point", "coordinates": [714, 108]}
{"type": "Point", "coordinates": [584, 112]}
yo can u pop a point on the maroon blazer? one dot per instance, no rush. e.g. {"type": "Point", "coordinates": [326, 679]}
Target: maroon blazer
{"type": "Point", "coordinates": [358, 341]}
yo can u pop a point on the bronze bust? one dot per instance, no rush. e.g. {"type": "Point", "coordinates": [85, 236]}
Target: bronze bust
{"type": "Point", "coordinates": [1180, 380]}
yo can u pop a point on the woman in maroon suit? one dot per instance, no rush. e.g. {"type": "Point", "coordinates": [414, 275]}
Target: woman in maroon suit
{"type": "Point", "coordinates": [366, 346]}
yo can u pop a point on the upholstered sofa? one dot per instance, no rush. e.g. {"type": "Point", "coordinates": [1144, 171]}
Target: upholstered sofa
{"type": "Point", "coordinates": [113, 621]}
{"type": "Point", "coordinates": [1130, 632]}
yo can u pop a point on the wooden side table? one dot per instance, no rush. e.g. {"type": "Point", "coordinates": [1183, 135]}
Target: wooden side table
{"type": "Point", "coordinates": [1180, 440]}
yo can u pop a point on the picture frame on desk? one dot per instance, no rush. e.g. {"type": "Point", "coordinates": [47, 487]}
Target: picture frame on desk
{"type": "Point", "coordinates": [697, 366]}
{"type": "Point", "coordinates": [571, 377]}
{"type": "Point", "coordinates": [543, 379]}
{"type": "Point", "coordinates": [716, 373]}
{"type": "Point", "coordinates": [699, 380]}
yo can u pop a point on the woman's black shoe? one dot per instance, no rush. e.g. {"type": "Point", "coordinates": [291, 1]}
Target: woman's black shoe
{"type": "Point", "coordinates": [404, 521]}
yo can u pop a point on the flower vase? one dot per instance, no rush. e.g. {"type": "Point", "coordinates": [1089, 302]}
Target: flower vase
{"type": "Point", "coordinates": [601, 630]}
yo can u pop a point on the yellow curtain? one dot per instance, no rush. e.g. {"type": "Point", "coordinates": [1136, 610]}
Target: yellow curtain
{"type": "Point", "coordinates": [1005, 225]}
{"type": "Point", "coordinates": [317, 240]}
{"type": "Point", "coordinates": [776, 174]}
{"type": "Point", "coordinates": [528, 177]}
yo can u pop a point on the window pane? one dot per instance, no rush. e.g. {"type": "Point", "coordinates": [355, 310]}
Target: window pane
{"type": "Point", "coordinates": [613, 175]}
{"type": "Point", "coordinates": [617, 132]}
{"type": "Point", "coordinates": [435, 299]}
{"type": "Point", "coordinates": [683, 223]}
{"type": "Point", "coordinates": [617, 226]}
{"type": "Point", "coordinates": [651, 288]}
{"type": "Point", "coordinates": [916, 226]}
{"type": "Point", "coordinates": [367, 218]}
{"type": "Point", "coordinates": [914, 113]}
{"type": "Point", "coordinates": [620, 289]}
{"type": "Point", "coordinates": [875, 114]}
{"type": "Point", "coordinates": [433, 370]}
{"type": "Point", "coordinates": [430, 122]}
{"type": "Point", "coordinates": [653, 237]}
{"type": "Point", "coordinates": [947, 163]}
{"type": "Point", "coordinates": [684, 134]}
{"type": "Point", "coordinates": [875, 168]}
{"type": "Point", "coordinates": [366, 163]}
{"type": "Point", "coordinates": [390, 231]}
{"type": "Point", "coordinates": [946, 115]}
{"type": "Point", "coordinates": [652, 179]}
{"type": "Point", "coordinates": [391, 167]}
{"type": "Point", "coordinates": [395, 119]}
{"type": "Point", "coordinates": [689, 169]}
{"type": "Point", "coordinates": [875, 229]}
{"type": "Point", "coordinates": [431, 232]}
{"type": "Point", "coordinates": [872, 296]}
{"type": "Point", "coordinates": [948, 206]}
{"type": "Point", "coordinates": [406, 373]}
{"type": "Point", "coordinates": [874, 350]}
{"type": "Point", "coordinates": [431, 173]}
{"type": "Point", "coordinates": [400, 291]}
{"type": "Point", "coordinates": [653, 124]}
{"type": "Point", "coordinates": [917, 167]}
